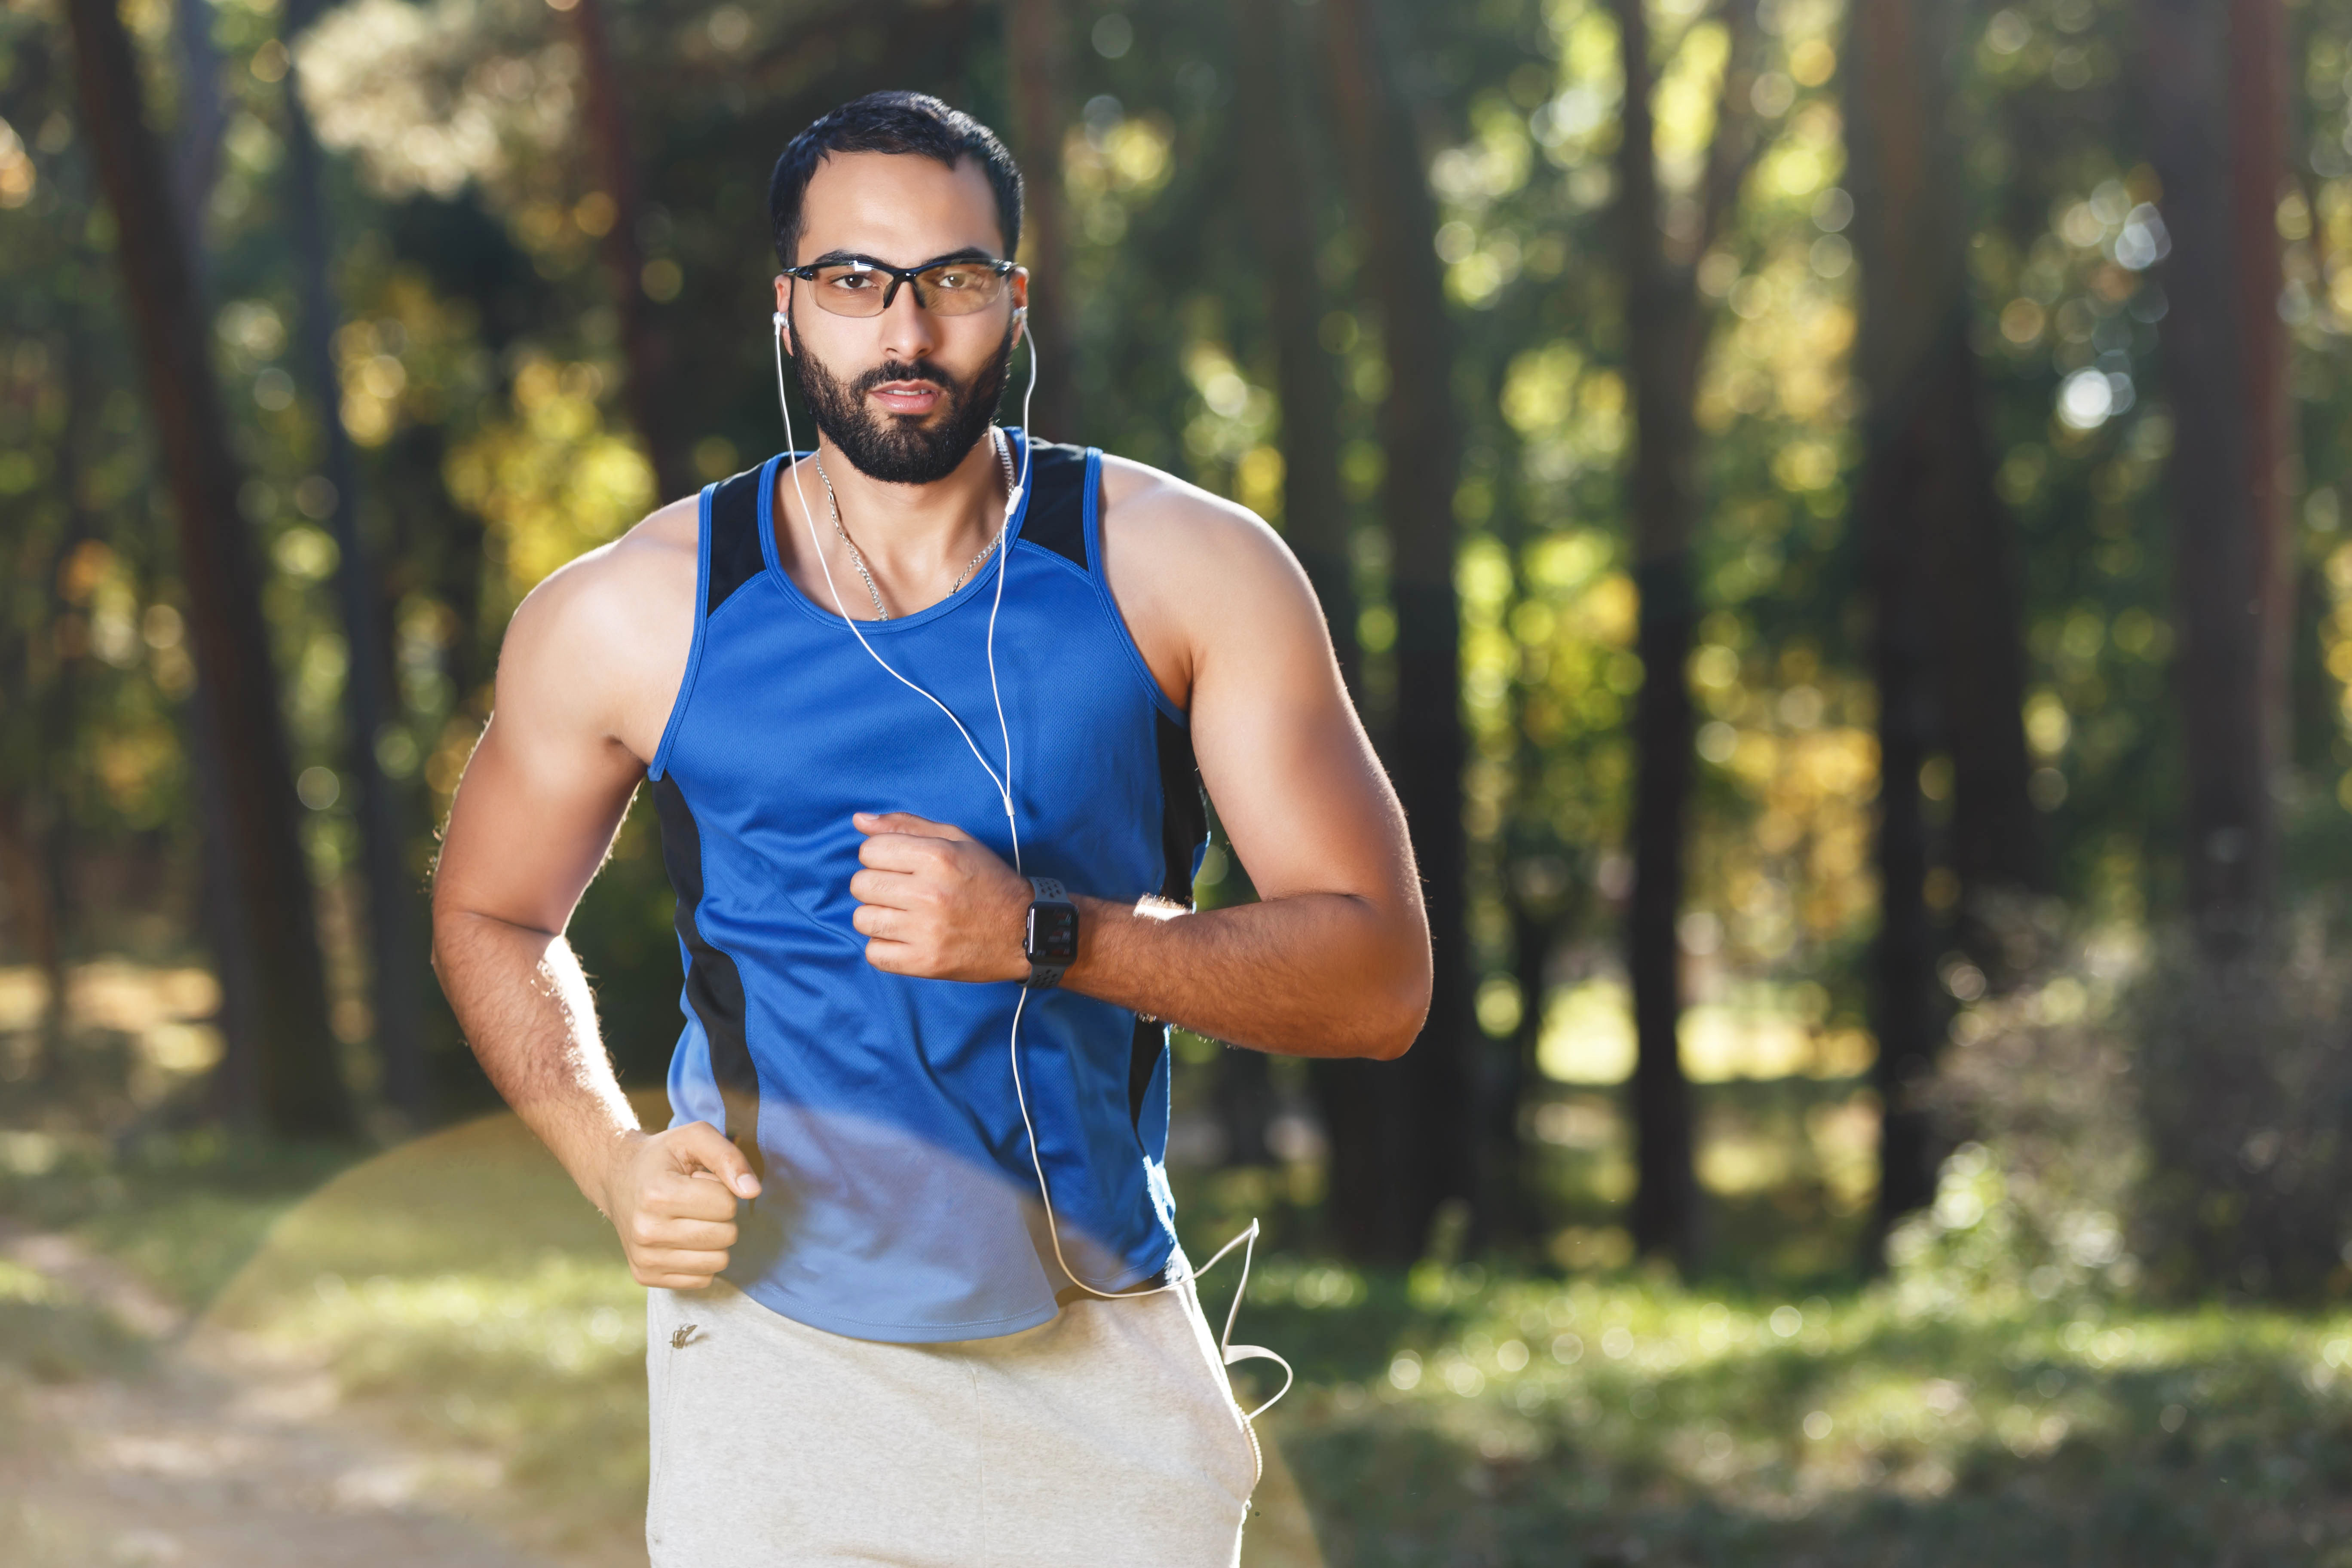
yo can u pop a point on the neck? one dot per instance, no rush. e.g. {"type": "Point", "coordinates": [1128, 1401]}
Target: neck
{"type": "Point", "coordinates": [915, 539]}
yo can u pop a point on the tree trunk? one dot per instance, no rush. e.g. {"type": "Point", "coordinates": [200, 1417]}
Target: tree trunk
{"type": "Point", "coordinates": [1274, 159]}
{"type": "Point", "coordinates": [1511, 1207]}
{"type": "Point", "coordinates": [1662, 324]}
{"type": "Point", "coordinates": [1037, 37]}
{"type": "Point", "coordinates": [1946, 647]}
{"type": "Point", "coordinates": [1424, 1148]}
{"type": "Point", "coordinates": [301, 1084]}
{"type": "Point", "coordinates": [203, 121]}
{"type": "Point", "coordinates": [396, 958]}
{"type": "Point", "coordinates": [643, 346]}
{"type": "Point", "coordinates": [1907, 279]}
{"type": "Point", "coordinates": [1996, 842]}
{"type": "Point", "coordinates": [2214, 107]}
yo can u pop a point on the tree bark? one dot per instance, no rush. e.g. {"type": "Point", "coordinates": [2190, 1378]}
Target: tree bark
{"type": "Point", "coordinates": [1274, 157]}
{"type": "Point", "coordinates": [2215, 109]}
{"type": "Point", "coordinates": [1511, 1205]}
{"type": "Point", "coordinates": [1420, 1110]}
{"type": "Point", "coordinates": [1946, 647]}
{"type": "Point", "coordinates": [231, 1093]}
{"type": "Point", "coordinates": [395, 957]}
{"type": "Point", "coordinates": [1037, 37]}
{"type": "Point", "coordinates": [643, 347]}
{"type": "Point", "coordinates": [1660, 319]}
{"type": "Point", "coordinates": [203, 121]}
{"type": "Point", "coordinates": [302, 1090]}
{"type": "Point", "coordinates": [1273, 160]}
{"type": "Point", "coordinates": [1666, 330]}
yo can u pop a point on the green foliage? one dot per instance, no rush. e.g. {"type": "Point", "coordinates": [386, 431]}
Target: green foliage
{"type": "Point", "coordinates": [2040, 1089]}
{"type": "Point", "coordinates": [1447, 1415]}
{"type": "Point", "coordinates": [479, 370]}
{"type": "Point", "coordinates": [2247, 1093]}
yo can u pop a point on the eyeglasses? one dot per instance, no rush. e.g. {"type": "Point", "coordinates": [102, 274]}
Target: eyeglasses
{"type": "Point", "coordinates": [861, 286]}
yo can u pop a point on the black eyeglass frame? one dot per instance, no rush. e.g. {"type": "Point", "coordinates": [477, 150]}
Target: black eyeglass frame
{"type": "Point", "coordinates": [897, 275]}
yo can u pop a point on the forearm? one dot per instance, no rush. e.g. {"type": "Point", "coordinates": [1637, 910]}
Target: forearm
{"type": "Point", "coordinates": [1311, 974]}
{"type": "Point", "coordinates": [526, 1009]}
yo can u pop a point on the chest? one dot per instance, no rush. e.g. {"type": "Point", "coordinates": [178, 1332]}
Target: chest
{"type": "Point", "coordinates": [790, 725]}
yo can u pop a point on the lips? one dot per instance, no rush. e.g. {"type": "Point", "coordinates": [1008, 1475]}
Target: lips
{"type": "Point", "coordinates": [910, 397]}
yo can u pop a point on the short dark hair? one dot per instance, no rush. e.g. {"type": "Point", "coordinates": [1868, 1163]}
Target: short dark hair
{"type": "Point", "coordinates": [903, 123]}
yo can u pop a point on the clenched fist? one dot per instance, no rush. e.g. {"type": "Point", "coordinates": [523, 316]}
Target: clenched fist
{"type": "Point", "coordinates": [936, 903]}
{"type": "Point", "coordinates": [672, 1195]}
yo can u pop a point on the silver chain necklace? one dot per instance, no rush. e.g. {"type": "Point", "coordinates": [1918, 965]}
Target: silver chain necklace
{"type": "Point", "coordinates": [1004, 461]}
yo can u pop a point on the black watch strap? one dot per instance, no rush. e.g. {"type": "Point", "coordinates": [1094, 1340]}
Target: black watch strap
{"type": "Point", "coordinates": [1048, 963]}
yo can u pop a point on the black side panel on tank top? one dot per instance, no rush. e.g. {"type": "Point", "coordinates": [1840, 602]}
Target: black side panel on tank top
{"type": "Point", "coordinates": [735, 557]}
{"type": "Point", "coordinates": [1057, 501]}
{"type": "Point", "coordinates": [714, 987]}
{"type": "Point", "coordinates": [1184, 815]}
{"type": "Point", "coordinates": [1184, 824]}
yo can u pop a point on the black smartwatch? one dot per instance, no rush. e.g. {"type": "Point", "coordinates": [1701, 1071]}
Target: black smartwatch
{"type": "Point", "coordinates": [1052, 942]}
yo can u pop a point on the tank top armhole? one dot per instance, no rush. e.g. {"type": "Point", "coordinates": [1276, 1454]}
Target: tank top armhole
{"type": "Point", "coordinates": [656, 769]}
{"type": "Point", "coordinates": [1092, 511]}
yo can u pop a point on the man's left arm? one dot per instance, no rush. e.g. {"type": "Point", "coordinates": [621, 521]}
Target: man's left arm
{"type": "Point", "coordinates": [1333, 959]}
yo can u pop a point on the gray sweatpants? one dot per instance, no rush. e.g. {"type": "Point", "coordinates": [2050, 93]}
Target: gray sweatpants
{"type": "Point", "coordinates": [1107, 1436]}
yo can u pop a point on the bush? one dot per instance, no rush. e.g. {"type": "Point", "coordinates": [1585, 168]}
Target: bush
{"type": "Point", "coordinates": [2246, 1091]}
{"type": "Point", "coordinates": [2037, 1088]}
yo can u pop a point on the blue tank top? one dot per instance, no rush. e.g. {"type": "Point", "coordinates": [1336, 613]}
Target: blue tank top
{"type": "Point", "coordinates": [898, 1200]}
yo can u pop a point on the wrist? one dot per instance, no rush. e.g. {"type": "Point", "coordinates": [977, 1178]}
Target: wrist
{"type": "Point", "coordinates": [1051, 933]}
{"type": "Point", "coordinates": [604, 1173]}
{"type": "Point", "coordinates": [1096, 920]}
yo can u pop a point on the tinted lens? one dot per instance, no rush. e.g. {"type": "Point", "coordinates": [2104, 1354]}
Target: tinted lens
{"type": "Point", "coordinates": [951, 288]}
{"type": "Point", "coordinates": [849, 290]}
{"type": "Point", "coordinates": [960, 288]}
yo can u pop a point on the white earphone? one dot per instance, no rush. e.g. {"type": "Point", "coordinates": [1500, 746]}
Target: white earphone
{"type": "Point", "coordinates": [1247, 1240]}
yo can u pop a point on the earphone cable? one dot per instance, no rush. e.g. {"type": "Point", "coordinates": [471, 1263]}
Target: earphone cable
{"type": "Point", "coordinates": [808, 516]}
{"type": "Point", "coordinates": [1247, 1239]}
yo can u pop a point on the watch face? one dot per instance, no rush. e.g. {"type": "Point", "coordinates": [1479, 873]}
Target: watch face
{"type": "Point", "coordinates": [1052, 933]}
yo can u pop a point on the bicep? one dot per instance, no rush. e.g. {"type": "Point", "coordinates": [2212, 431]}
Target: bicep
{"type": "Point", "coordinates": [537, 806]}
{"type": "Point", "coordinates": [1298, 788]}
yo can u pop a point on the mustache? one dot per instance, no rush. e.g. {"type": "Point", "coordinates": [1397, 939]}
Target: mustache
{"type": "Point", "coordinates": [920, 370]}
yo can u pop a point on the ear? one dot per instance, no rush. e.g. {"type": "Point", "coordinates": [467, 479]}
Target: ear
{"type": "Point", "coordinates": [783, 313]}
{"type": "Point", "coordinates": [1020, 303]}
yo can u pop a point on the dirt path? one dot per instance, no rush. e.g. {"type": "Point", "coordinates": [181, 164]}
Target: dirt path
{"type": "Point", "coordinates": [211, 1456]}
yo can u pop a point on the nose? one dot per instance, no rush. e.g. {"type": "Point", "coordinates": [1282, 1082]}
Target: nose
{"type": "Point", "coordinates": [906, 328]}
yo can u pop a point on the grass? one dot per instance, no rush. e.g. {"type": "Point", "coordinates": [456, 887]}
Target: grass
{"type": "Point", "coordinates": [462, 1293]}
{"type": "Point", "coordinates": [1630, 1421]}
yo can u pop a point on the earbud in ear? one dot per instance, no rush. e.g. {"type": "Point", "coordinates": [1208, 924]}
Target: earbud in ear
{"type": "Point", "coordinates": [778, 318]}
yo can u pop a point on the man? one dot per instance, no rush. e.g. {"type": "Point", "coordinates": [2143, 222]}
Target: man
{"type": "Point", "coordinates": [862, 698]}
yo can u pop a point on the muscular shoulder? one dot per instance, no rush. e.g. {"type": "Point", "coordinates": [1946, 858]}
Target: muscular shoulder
{"type": "Point", "coordinates": [602, 643]}
{"type": "Point", "coordinates": [1155, 516]}
{"type": "Point", "coordinates": [1191, 570]}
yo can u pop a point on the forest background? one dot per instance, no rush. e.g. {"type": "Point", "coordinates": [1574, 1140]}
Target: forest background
{"type": "Point", "coordinates": [1830, 512]}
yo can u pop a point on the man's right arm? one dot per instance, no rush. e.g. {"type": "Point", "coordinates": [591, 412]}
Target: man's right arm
{"type": "Point", "coordinates": [590, 664]}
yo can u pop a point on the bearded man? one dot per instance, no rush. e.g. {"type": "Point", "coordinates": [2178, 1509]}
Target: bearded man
{"type": "Point", "coordinates": [915, 1291]}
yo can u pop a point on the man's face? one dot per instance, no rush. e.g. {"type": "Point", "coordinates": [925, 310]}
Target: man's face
{"type": "Point", "coordinates": [904, 395]}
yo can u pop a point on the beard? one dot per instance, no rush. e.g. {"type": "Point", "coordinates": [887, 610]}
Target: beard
{"type": "Point", "coordinates": [899, 448]}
